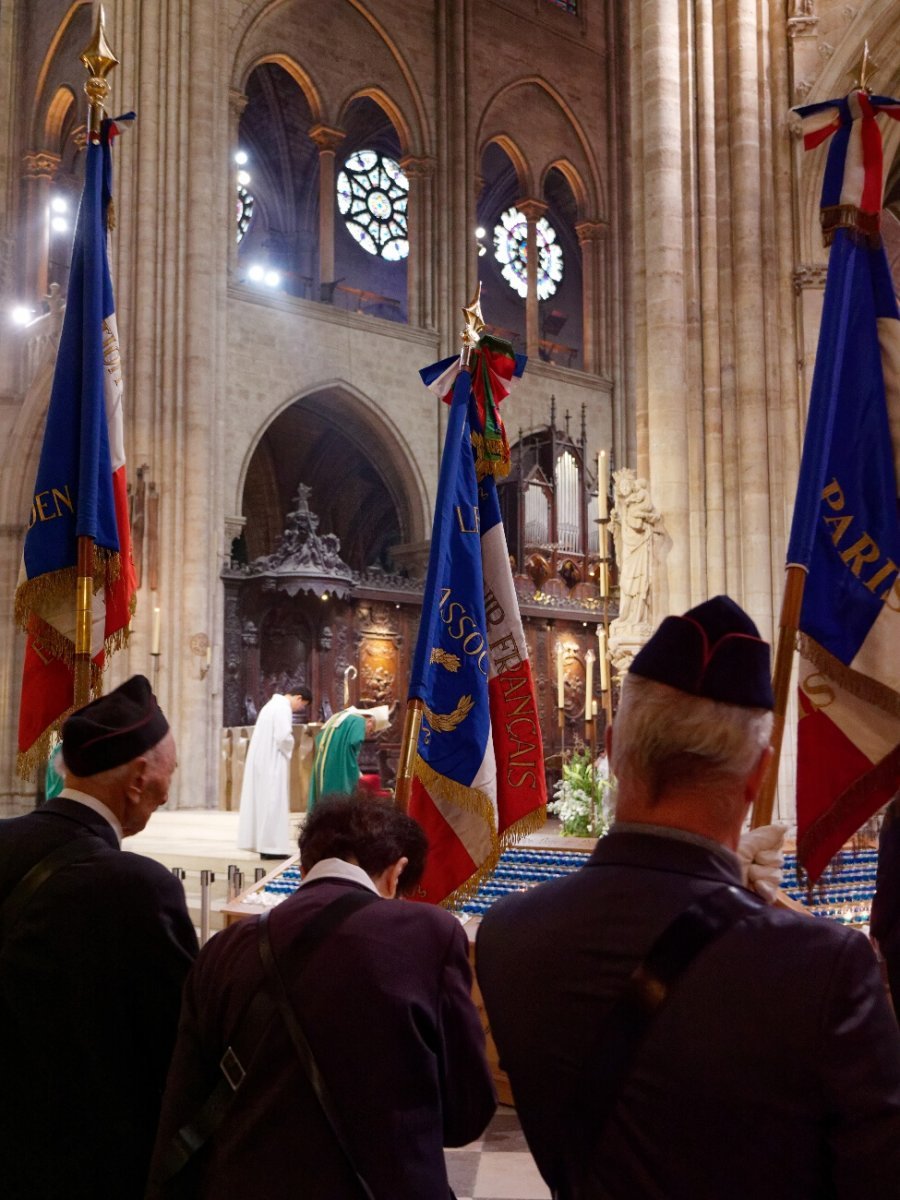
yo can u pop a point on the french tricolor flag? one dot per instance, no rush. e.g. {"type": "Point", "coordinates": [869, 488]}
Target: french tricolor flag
{"type": "Point", "coordinates": [846, 531]}
{"type": "Point", "coordinates": [81, 488]}
{"type": "Point", "coordinates": [478, 774]}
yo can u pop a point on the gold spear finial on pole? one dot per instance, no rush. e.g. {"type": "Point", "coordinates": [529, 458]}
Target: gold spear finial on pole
{"type": "Point", "coordinates": [474, 327]}
{"type": "Point", "coordinates": [866, 68]}
{"type": "Point", "coordinates": [99, 60]}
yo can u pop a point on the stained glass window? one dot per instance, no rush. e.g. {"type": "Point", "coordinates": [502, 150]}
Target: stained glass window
{"type": "Point", "coordinates": [510, 250]}
{"type": "Point", "coordinates": [244, 211]}
{"type": "Point", "coordinates": [372, 194]}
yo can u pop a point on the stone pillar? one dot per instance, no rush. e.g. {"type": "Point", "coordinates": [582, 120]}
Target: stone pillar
{"type": "Point", "coordinates": [419, 172]}
{"type": "Point", "coordinates": [170, 278]}
{"type": "Point", "coordinates": [663, 441]}
{"type": "Point", "coordinates": [40, 170]}
{"type": "Point", "coordinates": [327, 140]}
{"type": "Point", "coordinates": [595, 310]}
{"type": "Point", "coordinates": [746, 137]}
{"type": "Point", "coordinates": [237, 102]}
{"type": "Point", "coordinates": [532, 210]}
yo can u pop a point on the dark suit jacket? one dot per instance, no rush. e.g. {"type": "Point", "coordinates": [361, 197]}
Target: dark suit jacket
{"type": "Point", "coordinates": [773, 1070]}
{"type": "Point", "coordinates": [385, 1002]}
{"type": "Point", "coordinates": [90, 984]}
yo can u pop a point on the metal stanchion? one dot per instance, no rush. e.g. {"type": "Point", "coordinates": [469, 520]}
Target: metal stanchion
{"type": "Point", "coordinates": [258, 874]}
{"type": "Point", "coordinates": [206, 878]}
{"type": "Point", "coordinates": [179, 873]}
{"type": "Point", "coordinates": [237, 880]}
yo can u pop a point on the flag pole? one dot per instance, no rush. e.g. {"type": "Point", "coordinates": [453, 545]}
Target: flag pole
{"type": "Point", "coordinates": [415, 709]}
{"type": "Point", "coordinates": [98, 60]}
{"type": "Point", "coordinates": [788, 624]}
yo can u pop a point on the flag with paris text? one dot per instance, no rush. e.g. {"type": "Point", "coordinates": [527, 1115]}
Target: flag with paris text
{"type": "Point", "coordinates": [845, 530]}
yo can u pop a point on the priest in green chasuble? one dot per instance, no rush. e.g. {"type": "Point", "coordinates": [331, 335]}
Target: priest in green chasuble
{"type": "Point", "coordinates": [336, 761]}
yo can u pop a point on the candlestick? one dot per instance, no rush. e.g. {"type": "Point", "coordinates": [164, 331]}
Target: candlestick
{"type": "Point", "coordinates": [588, 682]}
{"type": "Point", "coordinates": [604, 560]}
{"type": "Point", "coordinates": [603, 484]}
{"type": "Point", "coordinates": [154, 637]}
{"type": "Point", "coordinates": [604, 661]}
{"type": "Point", "coordinates": [560, 678]}
{"type": "Point", "coordinates": [594, 709]}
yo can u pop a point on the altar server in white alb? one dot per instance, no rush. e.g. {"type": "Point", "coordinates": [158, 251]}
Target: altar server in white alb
{"type": "Point", "coordinates": [264, 823]}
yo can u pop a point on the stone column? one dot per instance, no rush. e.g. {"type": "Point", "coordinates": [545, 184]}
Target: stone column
{"type": "Point", "coordinates": [595, 311]}
{"type": "Point", "coordinates": [419, 172]}
{"type": "Point", "coordinates": [170, 277]}
{"type": "Point", "coordinates": [532, 210]}
{"type": "Point", "coordinates": [237, 102]}
{"type": "Point", "coordinates": [327, 140]}
{"type": "Point", "coordinates": [40, 170]}
{"type": "Point", "coordinates": [663, 441]}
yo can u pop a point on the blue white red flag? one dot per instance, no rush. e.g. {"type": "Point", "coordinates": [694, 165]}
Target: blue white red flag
{"type": "Point", "coordinates": [846, 530]}
{"type": "Point", "coordinates": [478, 777]}
{"type": "Point", "coordinates": [81, 488]}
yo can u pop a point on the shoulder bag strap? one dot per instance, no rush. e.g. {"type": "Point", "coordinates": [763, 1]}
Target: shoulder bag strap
{"type": "Point", "coordinates": [647, 990]}
{"type": "Point", "coordinates": [347, 904]}
{"type": "Point", "coordinates": [247, 1037]}
{"type": "Point", "coordinates": [77, 849]}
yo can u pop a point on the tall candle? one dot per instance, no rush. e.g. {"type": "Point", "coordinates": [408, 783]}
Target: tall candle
{"type": "Point", "coordinates": [604, 561]}
{"type": "Point", "coordinates": [588, 681]}
{"type": "Point", "coordinates": [594, 709]}
{"type": "Point", "coordinates": [560, 677]}
{"type": "Point", "coordinates": [603, 484]}
{"type": "Point", "coordinates": [604, 661]}
{"type": "Point", "coordinates": [154, 637]}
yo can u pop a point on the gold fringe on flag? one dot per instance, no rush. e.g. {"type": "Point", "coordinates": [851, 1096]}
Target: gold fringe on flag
{"type": "Point", "coordinates": [870, 690]}
{"type": "Point", "coordinates": [469, 800]}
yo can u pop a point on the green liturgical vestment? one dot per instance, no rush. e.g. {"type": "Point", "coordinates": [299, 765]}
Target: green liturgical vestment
{"type": "Point", "coordinates": [336, 762]}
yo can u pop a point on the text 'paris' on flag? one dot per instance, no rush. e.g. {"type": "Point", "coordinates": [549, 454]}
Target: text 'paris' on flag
{"type": "Point", "coordinates": [81, 488]}
{"type": "Point", "coordinates": [478, 774]}
{"type": "Point", "coordinates": [846, 531]}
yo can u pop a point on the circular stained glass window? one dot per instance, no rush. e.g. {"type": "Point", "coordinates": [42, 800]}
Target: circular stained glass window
{"type": "Point", "coordinates": [244, 211]}
{"type": "Point", "coordinates": [511, 251]}
{"type": "Point", "coordinates": [372, 194]}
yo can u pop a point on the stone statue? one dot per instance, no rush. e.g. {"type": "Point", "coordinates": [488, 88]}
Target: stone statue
{"type": "Point", "coordinates": [635, 525]}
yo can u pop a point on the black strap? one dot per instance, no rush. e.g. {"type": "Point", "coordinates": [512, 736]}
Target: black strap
{"type": "Point", "coordinates": [248, 1037]}
{"type": "Point", "coordinates": [647, 990]}
{"type": "Point", "coordinates": [84, 848]}
{"type": "Point", "coordinates": [347, 904]}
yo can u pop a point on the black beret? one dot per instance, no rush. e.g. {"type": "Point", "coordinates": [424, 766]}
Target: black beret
{"type": "Point", "coordinates": [714, 651]}
{"type": "Point", "coordinates": [113, 729]}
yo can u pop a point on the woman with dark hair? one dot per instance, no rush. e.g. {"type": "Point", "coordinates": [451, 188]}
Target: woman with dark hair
{"type": "Point", "coordinates": [381, 990]}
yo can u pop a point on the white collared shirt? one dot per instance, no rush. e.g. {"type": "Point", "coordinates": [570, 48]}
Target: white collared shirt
{"type": "Point", "coordinates": [98, 807]}
{"type": "Point", "coordinates": [339, 868]}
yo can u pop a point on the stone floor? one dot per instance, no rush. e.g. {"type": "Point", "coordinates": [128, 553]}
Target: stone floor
{"type": "Point", "coordinates": [498, 1166]}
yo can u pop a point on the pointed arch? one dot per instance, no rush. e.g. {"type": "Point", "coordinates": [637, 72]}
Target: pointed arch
{"type": "Point", "coordinates": [511, 149]}
{"type": "Point", "coordinates": [596, 198]}
{"type": "Point", "coordinates": [573, 178]}
{"type": "Point", "coordinates": [55, 41]}
{"type": "Point", "coordinates": [300, 76]}
{"type": "Point", "coordinates": [390, 109]}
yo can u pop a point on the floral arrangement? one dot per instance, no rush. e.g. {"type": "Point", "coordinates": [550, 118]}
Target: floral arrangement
{"type": "Point", "coordinates": [581, 799]}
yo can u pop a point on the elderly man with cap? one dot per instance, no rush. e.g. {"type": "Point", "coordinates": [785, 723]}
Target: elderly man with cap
{"type": "Point", "coordinates": [666, 1033]}
{"type": "Point", "coordinates": [338, 743]}
{"type": "Point", "coordinates": [95, 944]}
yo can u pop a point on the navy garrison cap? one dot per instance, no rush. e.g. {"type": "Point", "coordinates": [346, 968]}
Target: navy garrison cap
{"type": "Point", "coordinates": [114, 729]}
{"type": "Point", "coordinates": [713, 651]}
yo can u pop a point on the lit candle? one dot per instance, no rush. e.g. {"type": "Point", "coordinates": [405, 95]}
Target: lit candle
{"type": "Point", "coordinates": [588, 680]}
{"type": "Point", "coordinates": [560, 677]}
{"type": "Point", "coordinates": [154, 637]}
{"type": "Point", "coordinates": [603, 484]}
{"type": "Point", "coordinates": [604, 661]}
